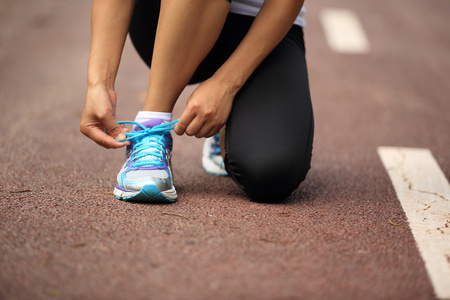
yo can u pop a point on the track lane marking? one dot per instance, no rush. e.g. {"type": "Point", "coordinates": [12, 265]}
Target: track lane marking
{"type": "Point", "coordinates": [424, 193]}
{"type": "Point", "coordinates": [343, 31]}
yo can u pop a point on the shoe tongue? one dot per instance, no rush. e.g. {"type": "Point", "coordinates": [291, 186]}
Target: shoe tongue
{"type": "Point", "coordinates": [149, 124]}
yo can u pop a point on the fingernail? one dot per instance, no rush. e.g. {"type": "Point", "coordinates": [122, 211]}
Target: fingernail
{"type": "Point", "coordinates": [121, 136]}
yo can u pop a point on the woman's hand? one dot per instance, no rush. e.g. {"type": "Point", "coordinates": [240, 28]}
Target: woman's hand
{"type": "Point", "coordinates": [207, 109]}
{"type": "Point", "coordinates": [110, 20]}
{"type": "Point", "coordinates": [99, 115]}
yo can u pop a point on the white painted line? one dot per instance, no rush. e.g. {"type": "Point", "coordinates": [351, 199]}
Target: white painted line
{"type": "Point", "coordinates": [343, 31]}
{"type": "Point", "coordinates": [424, 193]}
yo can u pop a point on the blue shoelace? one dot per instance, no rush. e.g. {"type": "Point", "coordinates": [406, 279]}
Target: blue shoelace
{"type": "Point", "coordinates": [146, 139]}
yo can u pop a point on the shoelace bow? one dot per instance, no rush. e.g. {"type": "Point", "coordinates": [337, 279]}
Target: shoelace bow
{"type": "Point", "coordinates": [148, 138]}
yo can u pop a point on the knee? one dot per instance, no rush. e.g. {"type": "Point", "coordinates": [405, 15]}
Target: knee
{"type": "Point", "coordinates": [269, 179]}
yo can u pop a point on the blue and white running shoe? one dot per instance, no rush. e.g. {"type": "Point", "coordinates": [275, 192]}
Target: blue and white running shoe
{"type": "Point", "coordinates": [212, 159]}
{"type": "Point", "coordinates": [147, 173]}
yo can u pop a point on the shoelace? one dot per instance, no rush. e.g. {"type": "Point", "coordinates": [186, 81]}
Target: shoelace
{"type": "Point", "coordinates": [148, 138]}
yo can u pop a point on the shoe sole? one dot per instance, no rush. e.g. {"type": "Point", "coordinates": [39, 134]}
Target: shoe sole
{"type": "Point", "coordinates": [149, 193]}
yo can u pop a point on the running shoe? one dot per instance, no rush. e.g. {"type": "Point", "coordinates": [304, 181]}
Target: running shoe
{"type": "Point", "coordinates": [212, 159]}
{"type": "Point", "coordinates": [146, 174]}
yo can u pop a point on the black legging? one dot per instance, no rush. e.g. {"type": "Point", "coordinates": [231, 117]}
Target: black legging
{"type": "Point", "coordinates": [270, 130]}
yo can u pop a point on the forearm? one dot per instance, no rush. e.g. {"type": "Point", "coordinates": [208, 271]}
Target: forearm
{"type": "Point", "coordinates": [271, 24]}
{"type": "Point", "coordinates": [110, 20]}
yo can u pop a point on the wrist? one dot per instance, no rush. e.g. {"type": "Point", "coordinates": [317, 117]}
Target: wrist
{"type": "Point", "coordinates": [100, 76]}
{"type": "Point", "coordinates": [99, 87]}
{"type": "Point", "coordinates": [100, 83]}
{"type": "Point", "coordinates": [233, 82]}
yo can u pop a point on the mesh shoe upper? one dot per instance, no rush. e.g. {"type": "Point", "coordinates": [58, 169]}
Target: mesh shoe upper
{"type": "Point", "coordinates": [212, 160]}
{"type": "Point", "coordinates": [147, 157]}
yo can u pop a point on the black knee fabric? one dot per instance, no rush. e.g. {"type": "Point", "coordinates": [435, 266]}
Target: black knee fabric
{"type": "Point", "coordinates": [269, 133]}
{"type": "Point", "coordinates": [143, 27]}
{"type": "Point", "coordinates": [270, 129]}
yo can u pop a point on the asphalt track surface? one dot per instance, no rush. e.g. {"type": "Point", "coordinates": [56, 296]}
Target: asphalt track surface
{"type": "Point", "coordinates": [64, 236]}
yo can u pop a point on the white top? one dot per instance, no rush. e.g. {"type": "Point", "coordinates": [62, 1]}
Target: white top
{"type": "Point", "coordinates": [252, 7]}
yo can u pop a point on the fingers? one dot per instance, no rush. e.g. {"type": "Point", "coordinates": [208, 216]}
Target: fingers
{"type": "Point", "coordinates": [198, 125]}
{"type": "Point", "coordinates": [213, 132]}
{"type": "Point", "coordinates": [207, 110]}
{"type": "Point", "coordinates": [113, 129]}
{"type": "Point", "coordinates": [190, 124]}
{"type": "Point", "coordinates": [101, 137]}
{"type": "Point", "coordinates": [205, 130]}
{"type": "Point", "coordinates": [124, 128]}
{"type": "Point", "coordinates": [104, 139]}
{"type": "Point", "coordinates": [185, 119]}
{"type": "Point", "coordinates": [95, 130]}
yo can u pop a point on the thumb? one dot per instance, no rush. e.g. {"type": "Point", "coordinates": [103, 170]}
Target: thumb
{"type": "Point", "coordinates": [114, 129]}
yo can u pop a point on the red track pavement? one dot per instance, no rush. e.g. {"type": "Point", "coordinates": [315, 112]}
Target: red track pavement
{"type": "Point", "coordinates": [63, 235]}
